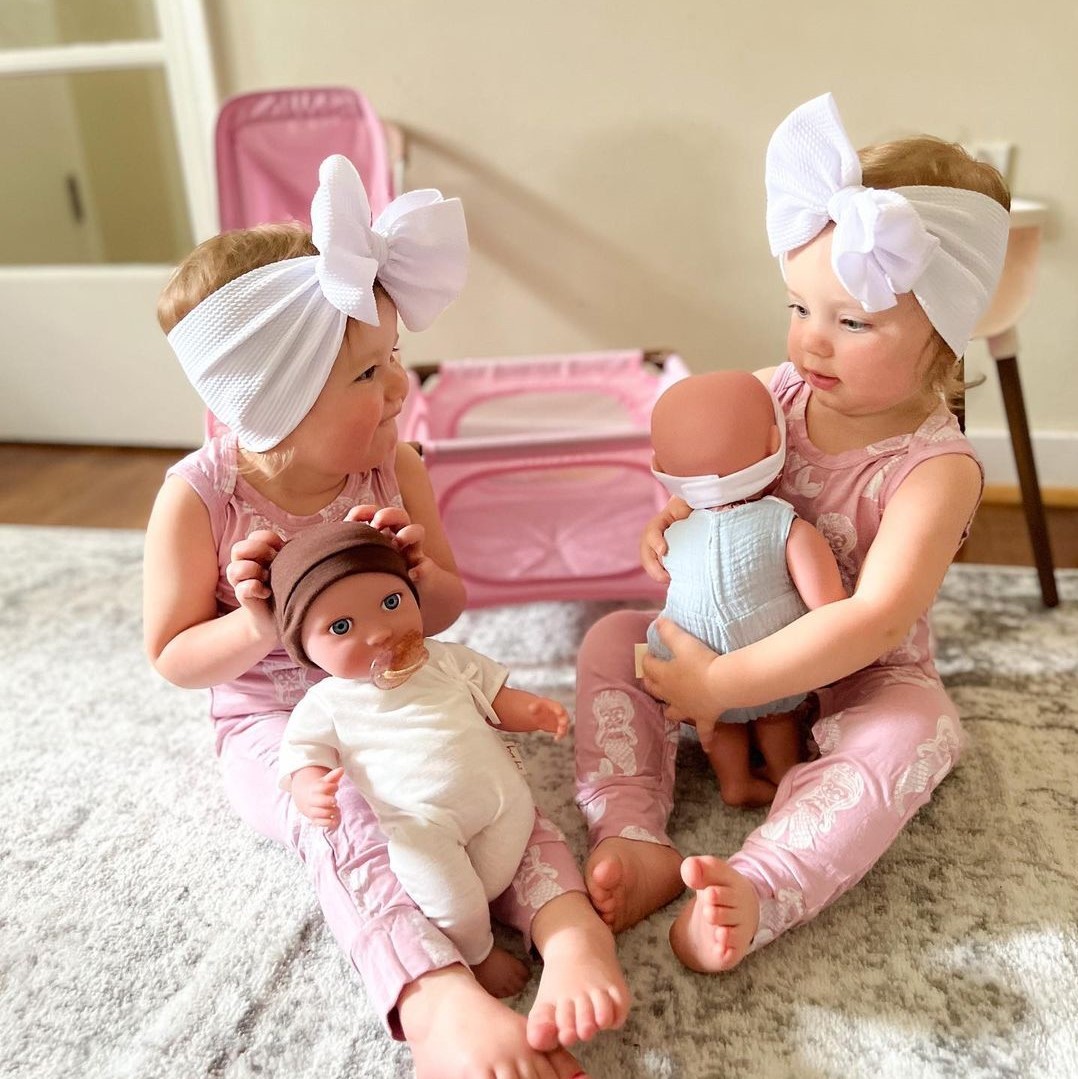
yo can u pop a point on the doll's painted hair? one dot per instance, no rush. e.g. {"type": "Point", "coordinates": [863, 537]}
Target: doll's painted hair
{"type": "Point", "coordinates": [927, 161]}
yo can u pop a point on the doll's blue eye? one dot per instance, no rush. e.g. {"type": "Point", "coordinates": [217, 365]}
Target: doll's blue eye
{"type": "Point", "coordinates": [391, 602]}
{"type": "Point", "coordinates": [341, 627]}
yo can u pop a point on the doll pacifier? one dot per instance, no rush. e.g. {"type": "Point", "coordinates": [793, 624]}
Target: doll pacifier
{"type": "Point", "coordinates": [396, 665]}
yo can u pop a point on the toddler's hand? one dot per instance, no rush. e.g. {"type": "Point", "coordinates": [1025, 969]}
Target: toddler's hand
{"type": "Point", "coordinates": [248, 572]}
{"type": "Point", "coordinates": [314, 790]}
{"type": "Point", "coordinates": [652, 548]}
{"type": "Point", "coordinates": [408, 536]}
{"type": "Point", "coordinates": [653, 542]}
{"type": "Point", "coordinates": [549, 716]}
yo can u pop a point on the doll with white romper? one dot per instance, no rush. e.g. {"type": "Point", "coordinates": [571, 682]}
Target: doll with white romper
{"type": "Point", "coordinates": [889, 260]}
{"type": "Point", "coordinates": [290, 338]}
{"type": "Point", "coordinates": [739, 563]}
{"type": "Point", "coordinates": [408, 720]}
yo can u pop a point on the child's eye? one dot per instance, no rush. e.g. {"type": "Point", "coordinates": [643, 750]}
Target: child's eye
{"type": "Point", "coordinates": [798, 309]}
{"type": "Point", "coordinates": [391, 602]}
{"type": "Point", "coordinates": [367, 375]}
{"type": "Point", "coordinates": [340, 627]}
{"type": "Point", "coordinates": [856, 325]}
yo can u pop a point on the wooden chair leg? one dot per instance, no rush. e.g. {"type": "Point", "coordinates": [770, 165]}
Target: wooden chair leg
{"type": "Point", "coordinates": [1036, 522]}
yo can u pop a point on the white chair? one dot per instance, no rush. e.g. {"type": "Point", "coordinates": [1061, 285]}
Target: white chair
{"type": "Point", "coordinates": [998, 327]}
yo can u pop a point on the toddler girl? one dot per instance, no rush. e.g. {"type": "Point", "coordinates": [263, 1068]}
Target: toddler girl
{"type": "Point", "coordinates": [290, 338]}
{"type": "Point", "coordinates": [889, 261]}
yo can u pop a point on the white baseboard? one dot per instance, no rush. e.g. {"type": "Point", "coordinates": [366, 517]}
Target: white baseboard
{"type": "Point", "coordinates": [1056, 454]}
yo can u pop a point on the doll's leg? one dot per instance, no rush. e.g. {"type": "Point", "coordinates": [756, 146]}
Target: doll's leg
{"type": "Point", "coordinates": [729, 757]}
{"type": "Point", "coordinates": [886, 741]}
{"type": "Point", "coordinates": [778, 738]}
{"type": "Point", "coordinates": [625, 758]}
{"type": "Point", "coordinates": [582, 989]}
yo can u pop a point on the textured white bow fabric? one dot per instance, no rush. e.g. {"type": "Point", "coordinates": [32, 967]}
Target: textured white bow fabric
{"type": "Point", "coordinates": [259, 349]}
{"type": "Point", "coordinates": [943, 244]}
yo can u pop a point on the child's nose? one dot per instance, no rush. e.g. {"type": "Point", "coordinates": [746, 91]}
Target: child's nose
{"type": "Point", "coordinates": [398, 387]}
{"type": "Point", "coordinates": [816, 341]}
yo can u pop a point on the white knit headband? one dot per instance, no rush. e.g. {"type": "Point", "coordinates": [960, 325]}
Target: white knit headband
{"type": "Point", "coordinates": [260, 348]}
{"type": "Point", "coordinates": [943, 244]}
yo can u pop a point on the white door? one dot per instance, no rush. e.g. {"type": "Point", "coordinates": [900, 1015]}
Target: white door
{"type": "Point", "coordinates": [106, 112]}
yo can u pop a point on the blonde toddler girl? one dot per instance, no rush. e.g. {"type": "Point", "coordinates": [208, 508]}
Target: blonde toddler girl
{"type": "Point", "coordinates": [889, 261]}
{"type": "Point", "coordinates": [291, 340]}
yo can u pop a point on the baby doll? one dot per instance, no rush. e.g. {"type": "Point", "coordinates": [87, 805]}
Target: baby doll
{"type": "Point", "coordinates": [407, 720]}
{"type": "Point", "coordinates": [740, 563]}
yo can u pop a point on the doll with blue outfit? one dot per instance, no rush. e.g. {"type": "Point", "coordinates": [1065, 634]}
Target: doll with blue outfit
{"type": "Point", "coordinates": [740, 563]}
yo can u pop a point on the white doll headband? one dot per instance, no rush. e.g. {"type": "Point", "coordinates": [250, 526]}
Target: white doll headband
{"type": "Point", "coordinates": [943, 244]}
{"type": "Point", "coordinates": [710, 492]}
{"type": "Point", "coordinates": [260, 348]}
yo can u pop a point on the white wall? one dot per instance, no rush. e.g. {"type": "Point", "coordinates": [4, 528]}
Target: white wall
{"type": "Point", "coordinates": [610, 152]}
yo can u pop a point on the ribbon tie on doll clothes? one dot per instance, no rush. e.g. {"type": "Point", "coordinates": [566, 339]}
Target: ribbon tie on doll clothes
{"type": "Point", "coordinates": [467, 675]}
{"type": "Point", "coordinates": [260, 348]}
{"type": "Point", "coordinates": [943, 244]}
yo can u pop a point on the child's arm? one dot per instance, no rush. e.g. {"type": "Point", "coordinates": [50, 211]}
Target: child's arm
{"type": "Point", "coordinates": [917, 540]}
{"type": "Point", "coordinates": [812, 566]}
{"type": "Point", "coordinates": [184, 637]}
{"type": "Point", "coordinates": [419, 532]}
{"type": "Point", "coordinates": [653, 542]}
{"type": "Point", "coordinates": [519, 710]}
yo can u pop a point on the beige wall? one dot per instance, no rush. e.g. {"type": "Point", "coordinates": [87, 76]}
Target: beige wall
{"type": "Point", "coordinates": [610, 153]}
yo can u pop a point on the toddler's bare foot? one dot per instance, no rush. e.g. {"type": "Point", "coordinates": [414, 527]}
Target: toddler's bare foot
{"type": "Point", "coordinates": [628, 879]}
{"type": "Point", "coordinates": [714, 930]}
{"type": "Point", "coordinates": [582, 989]}
{"type": "Point", "coordinates": [456, 1030]}
{"type": "Point", "coordinates": [501, 974]}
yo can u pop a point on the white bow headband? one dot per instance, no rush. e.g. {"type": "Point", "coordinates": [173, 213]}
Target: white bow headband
{"type": "Point", "coordinates": [711, 491]}
{"type": "Point", "coordinates": [260, 348]}
{"type": "Point", "coordinates": [943, 244]}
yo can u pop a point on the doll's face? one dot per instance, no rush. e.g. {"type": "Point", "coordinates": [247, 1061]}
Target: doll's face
{"type": "Point", "coordinates": [358, 620]}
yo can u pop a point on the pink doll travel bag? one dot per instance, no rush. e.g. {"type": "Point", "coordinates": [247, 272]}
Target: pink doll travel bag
{"type": "Point", "coordinates": [541, 467]}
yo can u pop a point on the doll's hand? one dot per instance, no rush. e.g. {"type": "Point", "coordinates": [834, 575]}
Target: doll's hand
{"type": "Point", "coordinates": [549, 716]}
{"type": "Point", "coordinates": [314, 790]}
{"type": "Point", "coordinates": [681, 682]}
{"type": "Point", "coordinates": [248, 572]}
{"type": "Point", "coordinates": [408, 536]}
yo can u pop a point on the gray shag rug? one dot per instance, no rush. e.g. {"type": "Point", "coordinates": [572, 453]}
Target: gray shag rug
{"type": "Point", "coordinates": [146, 933]}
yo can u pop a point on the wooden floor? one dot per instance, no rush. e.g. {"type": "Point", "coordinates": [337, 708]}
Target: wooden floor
{"type": "Point", "coordinates": [107, 487]}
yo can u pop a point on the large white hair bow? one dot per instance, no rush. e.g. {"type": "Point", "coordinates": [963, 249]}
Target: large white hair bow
{"type": "Point", "coordinates": [943, 244]}
{"type": "Point", "coordinates": [259, 349]}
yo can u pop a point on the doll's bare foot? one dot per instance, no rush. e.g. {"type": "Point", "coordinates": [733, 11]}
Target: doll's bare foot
{"type": "Point", "coordinates": [714, 930]}
{"type": "Point", "coordinates": [501, 974]}
{"type": "Point", "coordinates": [456, 1030]}
{"type": "Point", "coordinates": [628, 879]}
{"type": "Point", "coordinates": [582, 990]}
{"type": "Point", "coordinates": [748, 792]}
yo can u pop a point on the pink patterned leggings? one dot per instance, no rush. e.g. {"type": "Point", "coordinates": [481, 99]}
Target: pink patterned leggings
{"type": "Point", "coordinates": [887, 736]}
{"type": "Point", "coordinates": [386, 938]}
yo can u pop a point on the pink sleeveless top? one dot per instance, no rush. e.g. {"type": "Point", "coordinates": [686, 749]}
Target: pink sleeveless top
{"type": "Point", "coordinates": [236, 510]}
{"type": "Point", "coordinates": [844, 495]}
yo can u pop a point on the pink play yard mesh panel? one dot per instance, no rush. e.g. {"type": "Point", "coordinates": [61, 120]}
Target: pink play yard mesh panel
{"type": "Point", "coordinates": [541, 468]}
{"type": "Point", "coordinates": [270, 144]}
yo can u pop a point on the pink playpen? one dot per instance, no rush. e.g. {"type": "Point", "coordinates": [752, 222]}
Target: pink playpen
{"type": "Point", "coordinates": [541, 467]}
